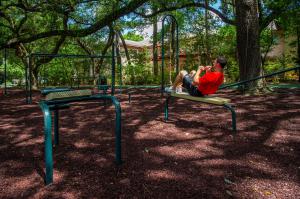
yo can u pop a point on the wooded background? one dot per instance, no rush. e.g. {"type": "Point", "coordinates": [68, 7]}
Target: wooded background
{"type": "Point", "coordinates": [244, 31]}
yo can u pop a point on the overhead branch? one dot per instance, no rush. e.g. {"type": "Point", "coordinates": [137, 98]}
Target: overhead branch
{"type": "Point", "coordinates": [84, 46]}
{"type": "Point", "coordinates": [55, 50]}
{"type": "Point", "coordinates": [187, 5]}
{"type": "Point", "coordinates": [22, 22]}
{"type": "Point", "coordinates": [106, 20]}
{"type": "Point", "coordinates": [125, 47]}
{"type": "Point", "coordinates": [106, 47]}
{"type": "Point", "coordinates": [267, 20]}
{"type": "Point", "coordinates": [264, 22]}
{"type": "Point", "coordinates": [58, 44]}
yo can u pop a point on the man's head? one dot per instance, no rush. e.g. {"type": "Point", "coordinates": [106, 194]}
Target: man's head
{"type": "Point", "coordinates": [220, 62]}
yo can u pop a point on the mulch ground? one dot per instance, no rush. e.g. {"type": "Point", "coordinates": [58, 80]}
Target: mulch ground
{"type": "Point", "coordinates": [193, 155]}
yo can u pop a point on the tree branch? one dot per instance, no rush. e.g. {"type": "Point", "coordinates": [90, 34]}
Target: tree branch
{"type": "Point", "coordinates": [134, 4]}
{"type": "Point", "coordinates": [193, 4]}
{"type": "Point", "coordinates": [23, 20]}
{"type": "Point", "coordinates": [84, 46]}
{"type": "Point", "coordinates": [53, 51]}
{"type": "Point", "coordinates": [108, 44]}
{"type": "Point", "coordinates": [58, 43]}
{"type": "Point", "coordinates": [125, 47]}
{"type": "Point", "coordinates": [264, 22]}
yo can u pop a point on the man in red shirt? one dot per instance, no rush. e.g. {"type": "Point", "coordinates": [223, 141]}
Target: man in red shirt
{"type": "Point", "coordinates": [205, 85]}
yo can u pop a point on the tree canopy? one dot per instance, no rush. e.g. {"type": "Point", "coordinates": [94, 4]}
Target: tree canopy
{"type": "Point", "coordinates": [52, 25]}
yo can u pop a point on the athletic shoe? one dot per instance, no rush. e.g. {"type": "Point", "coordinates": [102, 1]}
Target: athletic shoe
{"type": "Point", "coordinates": [169, 89]}
{"type": "Point", "coordinates": [179, 89]}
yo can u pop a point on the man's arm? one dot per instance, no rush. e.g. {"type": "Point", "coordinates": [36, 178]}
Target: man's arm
{"type": "Point", "coordinates": [196, 76]}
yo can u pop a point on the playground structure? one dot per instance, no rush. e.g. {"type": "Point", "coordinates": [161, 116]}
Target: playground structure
{"type": "Point", "coordinates": [102, 80]}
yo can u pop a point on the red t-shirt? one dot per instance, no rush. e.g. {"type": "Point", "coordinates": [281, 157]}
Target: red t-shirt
{"type": "Point", "coordinates": [210, 82]}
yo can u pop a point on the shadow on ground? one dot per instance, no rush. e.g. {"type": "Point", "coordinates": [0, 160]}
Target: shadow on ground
{"type": "Point", "coordinates": [193, 155]}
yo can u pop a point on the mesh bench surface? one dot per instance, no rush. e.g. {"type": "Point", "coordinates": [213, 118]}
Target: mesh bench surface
{"type": "Point", "coordinates": [46, 91]}
{"type": "Point", "coordinates": [68, 94]}
{"type": "Point", "coordinates": [210, 100]}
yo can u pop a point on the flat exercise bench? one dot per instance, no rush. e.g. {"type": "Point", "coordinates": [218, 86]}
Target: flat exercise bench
{"type": "Point", "coordinates": [219, 101]}
{"type": "Point", "coordinates": [60, 100]}
{"type": "Point", "coordinates": [46, 91]}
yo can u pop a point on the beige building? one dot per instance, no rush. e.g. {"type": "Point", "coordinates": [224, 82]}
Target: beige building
{"type": "Point", "coordinates": [282, 43]}
{"type": "Point", "coordinates": [139, 46]}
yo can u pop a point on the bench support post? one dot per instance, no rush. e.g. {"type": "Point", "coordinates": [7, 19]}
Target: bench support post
{"type": "Point", "coordinates": [129, 97]}
{"type": "Point", "coordinates": [227, 106]}
{"type": "Point", "coordinates": [48, 143]}
{"type": "Point", "coordinates": [56, 127]}
{"type": "Point", "coordinates": [167, 108]}
{"type": "Point", "coordinates": [118, 127]}
{"type": "Point", "coordinates": [233, 116]}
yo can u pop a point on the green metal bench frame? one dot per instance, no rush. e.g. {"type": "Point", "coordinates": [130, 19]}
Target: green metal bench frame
{"type": "Point", "coordinates": [224, 104]}
{"type": "Point", "coordinates": [103, 88]}
{"type": "Point", "coordinates": [55, 105]}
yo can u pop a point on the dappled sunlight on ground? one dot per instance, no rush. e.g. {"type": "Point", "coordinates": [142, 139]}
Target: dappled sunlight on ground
{"type": "Point", "coordinates": [193, 155]}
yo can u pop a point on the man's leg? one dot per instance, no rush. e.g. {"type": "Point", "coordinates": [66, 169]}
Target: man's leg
{"type": "Point", "coordinates": [179, 78]}
{"type": "Point", "coordinates": [192, 73]}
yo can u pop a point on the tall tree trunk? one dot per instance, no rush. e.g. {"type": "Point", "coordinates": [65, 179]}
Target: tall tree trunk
{"type": "Point", "coordinates": [155, 50]}
{"type": "Point", "coordinates": [105, 49]}
{"type": "Point", "coordinates": [249, 55]}
{"type": "Point", "coordinates": [298, 45]}
{"type": "Point", "coordinates": [233, 7]}
{"type": "Point", "coordinates": [35, 76]}
{"type": "Point", "coordinates": [125, 47]}
{"type": "Point", "coordinates": [89, 51]}
{"type": "Point", "coordinates": [173, 45]}
{"type": "Point", "coordinates": [207, 46]}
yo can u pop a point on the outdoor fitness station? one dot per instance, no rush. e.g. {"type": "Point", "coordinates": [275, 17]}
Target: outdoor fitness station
{"type": "Point", "coordinates": [60, 98]}
{"type": "Point", "coordinates": [210, 100]}
{"type": "Point", "coordinates": [57, 99]}
{"type": "Point", "coordinates": [31, 57]}
{"type": "Point", "coordinates": [149, 99]}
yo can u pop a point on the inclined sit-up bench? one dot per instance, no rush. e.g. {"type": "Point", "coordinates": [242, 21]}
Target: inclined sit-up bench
{"type": "Point", "coordinates": [209, 100]}
{"type": "Point", "coordinates": [56, 101]}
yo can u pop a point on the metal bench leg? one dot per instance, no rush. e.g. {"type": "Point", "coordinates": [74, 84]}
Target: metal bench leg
{"type": "Point", "coordinates": [117, 130]}
{"type": "Point", "coordinates": [48, 143]}
{"type": "Point", "coordinates": [233, 115]}
{"type": "Point", "coordinates": [167, 108]}
{"type": "Point", "coordinates": [129, 98]}
{"type": "Point", "coordinates": [56, 127]}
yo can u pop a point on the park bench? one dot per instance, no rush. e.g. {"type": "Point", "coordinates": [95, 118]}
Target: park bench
{"type": "Point", "coordinates": [218, 101]}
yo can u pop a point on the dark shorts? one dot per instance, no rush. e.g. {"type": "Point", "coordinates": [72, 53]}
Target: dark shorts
{"type": "Point", "coordinates": [188, 85]}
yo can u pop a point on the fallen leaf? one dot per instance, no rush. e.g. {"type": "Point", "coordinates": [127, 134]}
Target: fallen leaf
{"type": "Point", "coordinates": [228, 181]}
{"type": "Point", "coordinates": [229, 192]}
{"type": "Point", "coordinates": [267, 193]}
